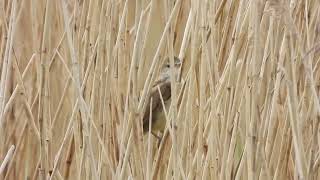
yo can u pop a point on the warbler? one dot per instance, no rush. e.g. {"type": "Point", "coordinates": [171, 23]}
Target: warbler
{"type": "Point", "coordinates": [158, 119]}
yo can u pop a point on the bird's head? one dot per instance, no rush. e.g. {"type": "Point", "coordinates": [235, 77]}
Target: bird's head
{"type": "Point", "coordinates": [165, 69]}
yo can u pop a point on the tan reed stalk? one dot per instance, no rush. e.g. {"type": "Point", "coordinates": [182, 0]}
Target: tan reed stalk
{"type": "Point", "coordinates": [76, 76]}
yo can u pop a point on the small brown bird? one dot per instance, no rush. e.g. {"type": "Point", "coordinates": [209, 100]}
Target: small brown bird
{"type": "Point", "coordinates": [158, 118]}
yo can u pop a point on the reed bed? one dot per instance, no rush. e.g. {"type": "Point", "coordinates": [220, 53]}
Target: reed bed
{"type": "Point", "coordinates": [76, 75]}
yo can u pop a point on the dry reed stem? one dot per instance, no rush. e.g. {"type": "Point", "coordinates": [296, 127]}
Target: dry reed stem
{"type": "Point", "coordinates": [6, 159]}
{"type": "Point", "coordinates": [75, 76]}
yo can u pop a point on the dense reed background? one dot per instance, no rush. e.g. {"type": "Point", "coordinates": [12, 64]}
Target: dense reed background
{"type": "Point", "coordinates": [75, 76]}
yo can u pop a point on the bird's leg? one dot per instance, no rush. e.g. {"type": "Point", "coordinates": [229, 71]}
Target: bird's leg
{"type": "Point", "coordinates": [156, 136]}
{"type": "Point", "coordinates": [159, 138]}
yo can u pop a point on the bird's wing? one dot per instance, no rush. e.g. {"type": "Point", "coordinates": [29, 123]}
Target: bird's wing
{"type": "Point", "coordinates": [165, 89]}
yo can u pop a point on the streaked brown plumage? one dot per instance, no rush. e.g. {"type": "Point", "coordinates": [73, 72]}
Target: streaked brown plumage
{"type": "Point", "coordinates": [164, 84]}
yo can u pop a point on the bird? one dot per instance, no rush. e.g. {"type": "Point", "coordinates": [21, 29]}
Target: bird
{"type": "Point", "coordinates": [163, 82]}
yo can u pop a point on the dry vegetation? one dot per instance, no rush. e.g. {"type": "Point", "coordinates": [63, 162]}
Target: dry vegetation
{"type": "Point", "coordinates": [75, 76]}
